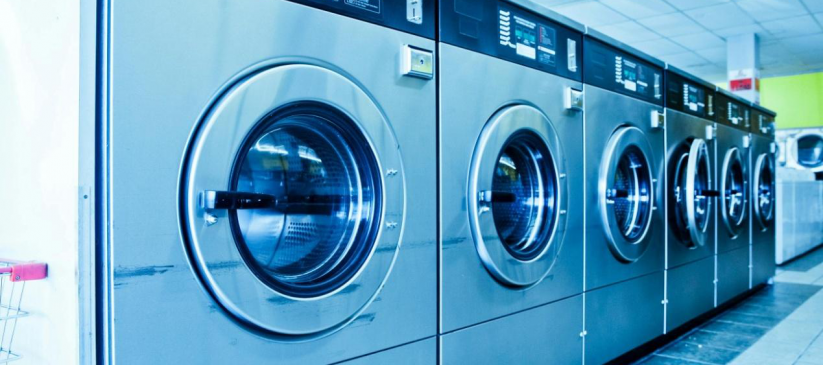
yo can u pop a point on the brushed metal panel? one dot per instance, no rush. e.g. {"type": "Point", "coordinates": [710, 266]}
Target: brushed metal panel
{"type": "Point", "coordinates": [549, 334]}
{"type": "Point", "coordinates": [623, 316]}
{"type": "Point", "coordinates": [690, 290]}
{"type": "Point", "coordinates": [732, 274]}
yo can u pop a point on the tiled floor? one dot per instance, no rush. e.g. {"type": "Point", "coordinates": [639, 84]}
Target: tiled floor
{"type": "Point", "coordinates": [781, 324]}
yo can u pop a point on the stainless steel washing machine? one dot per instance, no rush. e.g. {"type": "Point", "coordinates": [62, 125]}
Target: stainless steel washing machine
{"type": "Point", "coordinates": [511, 185]}
{"type": "Point", "coordinates": [763, 178]}
{"type": "Point", "coordinates": [691, 191]}
{"type": "Point", "coordinates": [269, 188]}
{"type": "Point", "coordinates": [625, 227]}
{"type": "Point", "coordinates": [732, 168]}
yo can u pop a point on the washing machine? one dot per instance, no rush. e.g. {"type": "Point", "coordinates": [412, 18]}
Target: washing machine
{"type": "Point", "coordinates": [268, 182]}
{"type": "Point", "coordinates": [732, 169]}
{"type": "Point", "coordinates": [803, 149]}
{"type": "Point", "coordinates": [625, 226]}
{"type": "Point", "coordinates": [691, 191]}
{"type": "Point", "coordinates": [763, 178]}
{"type": "Point", "coordinates": [511, 184]}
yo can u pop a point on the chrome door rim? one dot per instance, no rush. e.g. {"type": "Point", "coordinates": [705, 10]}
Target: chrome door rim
{"type": "Point", "coordinates": [215, 255]}
{"type": "Point", "coordinates": [495, 257]}
{"type": "Point", "coordinates": [763, 218]}
{"type": "Point", "coordinates": [794, 148]}
{"type": "Point", "coordinates": [698, 151]}
{"type": "Point", "coordinates": [622, 139]}
{"type": "Point", "coordinates": [733, 226]}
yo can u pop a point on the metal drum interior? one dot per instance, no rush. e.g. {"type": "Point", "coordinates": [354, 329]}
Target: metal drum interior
{"type": "Point", "coordinates": [810, 151]}
{"type": "Point", "coordinates": [630, 194]}
{"type": "Point", "coordinates": [322, 190]}
{"type": "Point", "coordinates": [523, 196]}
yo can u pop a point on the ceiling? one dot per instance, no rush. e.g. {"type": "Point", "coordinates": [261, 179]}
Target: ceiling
{"type": "Point", "coordinates": [691, 34]}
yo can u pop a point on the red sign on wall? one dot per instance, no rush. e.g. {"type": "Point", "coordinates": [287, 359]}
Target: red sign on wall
{"type": "Point", "coordinates": [741, 84]}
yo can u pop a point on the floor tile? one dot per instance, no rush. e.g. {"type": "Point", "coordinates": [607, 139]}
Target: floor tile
{"type": "Point", "coordinates": [735, 328]}
{"type": "Point", "coordinates": [805, 262]}
{"type": "Point", "coordinates": [731, 341]}
{"type": "Point", "coordinates": [696, 352]}
{"type": "Point", "coordinates": [749, 319]}
{"type": "Point", "coordinates": [664, 360]}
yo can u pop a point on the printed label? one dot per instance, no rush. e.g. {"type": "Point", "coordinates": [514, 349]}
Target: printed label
{"type": "Point", "coordinates": [369, 5]}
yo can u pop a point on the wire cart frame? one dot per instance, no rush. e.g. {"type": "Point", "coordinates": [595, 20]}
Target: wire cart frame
{"type": "Point", "coordinates": [13, 277]}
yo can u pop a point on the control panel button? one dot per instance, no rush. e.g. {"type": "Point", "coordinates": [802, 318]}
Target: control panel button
{"type": "Point", "coordinates": [414, 11]}
{"type": "Point", "coordinates": [418, 62]}
{"type": "Point", "coordinates": [658, 119]}
{"type": "Point", "coordinates": [573, 99]}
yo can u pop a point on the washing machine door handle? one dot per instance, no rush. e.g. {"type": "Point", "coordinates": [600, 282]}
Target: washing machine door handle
{"type": "Point", "coordinates": [233, 200]}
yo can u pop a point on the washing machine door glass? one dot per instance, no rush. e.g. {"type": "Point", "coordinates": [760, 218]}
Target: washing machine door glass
{"type": "Point", "coordinates": [691, 187]}
{"type": "Point", "coordinates": [284, 202]}
{"type": "Point", "coordinates": [733, 191]}
{"type": "Point", "coordinates": [516, 197]}
{"type": "Point", "coordinates": [810, 151]}
{"type": "Point", "coordinates": [626, 192]}
{"type": "Point", "coordinates": [763, 185]}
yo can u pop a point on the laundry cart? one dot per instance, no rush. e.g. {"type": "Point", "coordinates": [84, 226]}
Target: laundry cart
{"type": "Point", "coordinates": [13, 277]}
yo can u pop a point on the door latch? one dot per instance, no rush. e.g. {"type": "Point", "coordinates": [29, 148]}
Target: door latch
{"type": "Point", "coordinates": [658, 119]}
{"type": "Point", "coordinates": [573, 99]}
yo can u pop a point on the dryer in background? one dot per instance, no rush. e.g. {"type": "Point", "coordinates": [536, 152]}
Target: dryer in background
{"type": "Point", "coordinates": [802, 149]}
{"type": "Point", "coordinates": [733, 144]}
{"type": "Point", "coordinates": [763, 192]}
{"type": "Point", "coordinates": [511, 183]}
{"type": "Point", "coordinates": [690, 197]}
{"type": "Point", "coordinates": [306, 197]}
{"type": "Point", "coordinates": [625, 229]}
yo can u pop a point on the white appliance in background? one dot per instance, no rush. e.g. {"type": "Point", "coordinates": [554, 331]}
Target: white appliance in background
{"type": "Point", "coordinates": [799, 218]}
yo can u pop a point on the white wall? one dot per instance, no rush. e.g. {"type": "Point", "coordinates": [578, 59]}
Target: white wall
{"type": "Point", "coordinates": [41, 177]}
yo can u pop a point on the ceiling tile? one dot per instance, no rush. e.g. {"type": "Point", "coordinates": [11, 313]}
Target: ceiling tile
{"type": "Point", "coordinates": [591, 13]}
{"type": "Point", "coordinates": [774, 53]}
{"type": "Point", "coordinates": [811, 58]}
{"type": "Point", "coordinates": [814, 5]}
{"type": "Point", "coordinates": [685, 60]}
{"type": "Point", "coordinates": [691, 4]}
{"type": "Point", "coordinates": [628, 32]}
{"type": "Point", "coordinates": [700, 40]}
{"type": "Point", "coordinates": [639, 9]}
{"type": "Point", "coordinates": [670, 25]}
{"type": "Point", "coordinates": [764, 10]}
{"type": "Point", "coordinates": [796, 26]}
{"type": "Point", "coordinates": [740, 29]}
{"type": "Point", "coordinates": [804, 44]}
{"type": "Point", "coordinates": [720, 16]}
{"type": "Point", "coordinates": [819, 17]}
{"type": "Point", "coordinates": [659, 47]}
{"type": "Point", "coordinates": [716, 55]}
{"type": "Point", "coordinates": [709, 72]}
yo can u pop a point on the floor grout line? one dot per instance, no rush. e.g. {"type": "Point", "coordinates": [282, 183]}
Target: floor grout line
{"type": "Point", "coordinates": [808, 347]}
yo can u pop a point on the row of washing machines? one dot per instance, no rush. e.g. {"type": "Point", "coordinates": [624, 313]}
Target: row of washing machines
{"type": "Point", "coordinates": [365, 181]}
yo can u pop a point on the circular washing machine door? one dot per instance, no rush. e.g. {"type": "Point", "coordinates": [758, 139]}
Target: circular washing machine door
{"type": "Point", "coordinates": [691, 192]}
{"type": "Point", "coordinates": [733, 191]}
{"type": "Point", "coordinates": [289, 218]}
{"type": "Point", "coordinates": [517, 197]}
{"type": "Point", "coordinates": [806, 150]}
{"type": "Point", "coordinates": [763, 194]}
{"type": "Point", "coordinates": [625, 192]}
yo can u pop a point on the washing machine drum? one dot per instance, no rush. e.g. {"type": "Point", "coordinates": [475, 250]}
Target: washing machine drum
{"type": "Point", "coordinates": [284, 204]}
{"type": "Point", "coordinates": [691, 194]}
{"type": "Point", "coordinates": [733, 191]}
{"type": "Point", "coordinates": [626, 193]}
{"type": "Point", "coordinates": [517, 196]}
{"type": "Point", "coordinates": [808, 151]}
{"type": "Point", "coordinates": [763, 194]}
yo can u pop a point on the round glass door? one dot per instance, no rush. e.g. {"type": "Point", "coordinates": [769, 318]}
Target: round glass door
{"type": "Point", "coordinates": [733, 191]}
{"type": "Point", "coordinates": [317, 200]}
{"type": "Point", "coordinates": [626, 192]}
{"type": "Point", "coordinates": [764, 190]}
{"type": "Point", "coordinates": [691, 187]}
{"type": "Point", "coordinates": [810, 150]}
{"type": "Point", "coordinates": [285, 209]}
{"type": "Point", "coordinates": [516, 200]}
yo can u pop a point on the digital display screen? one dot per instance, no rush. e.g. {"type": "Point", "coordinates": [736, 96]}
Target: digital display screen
{"type": "Point", "coordinates": [694, 98]}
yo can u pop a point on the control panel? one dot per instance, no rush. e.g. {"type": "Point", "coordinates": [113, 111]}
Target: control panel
{"type": "Point", "coordinates": [762, 122]}
{"type": "Point", "coordinates": [732, 112]}
{"type": "Point", "coordinates": [412, 16]}
{"type": "Point", "coordinates": [689, 96]}
{"type": "Point", "coordinates": [506, 31]}
{"type": "Point", "coordinates": [616, 70]}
